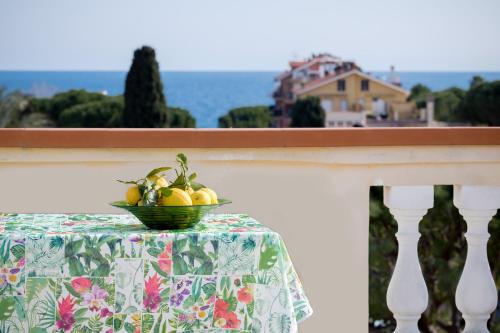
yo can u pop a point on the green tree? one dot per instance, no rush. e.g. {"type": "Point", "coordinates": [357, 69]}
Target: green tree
{"type": "Point", "coordinates": [181, 118]}
{"type": "Point", "coordinates": [145, 104]}
{"type": "Point", "coordinates": [476, 81]}
{"type": "Point", "coordinates": [247, 117]}
{"type": "Point", "coordinates": [442, 253]}
{"type": "Point", "coordinates": [53, 106]}
{"type": "Point", "coordinates": [308, 112]}
{"type": "Point", "coordinates": [106, 113]}
{"type": "Point", "coordinates": [419, 94]}
{"type": "Point", "coordinates": [446, 103]}
{"type": "Point", "coordinates": [481, 104]}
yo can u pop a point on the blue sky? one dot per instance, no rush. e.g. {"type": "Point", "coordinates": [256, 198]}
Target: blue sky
{"type": "Point", "coordinates": [423, 35]}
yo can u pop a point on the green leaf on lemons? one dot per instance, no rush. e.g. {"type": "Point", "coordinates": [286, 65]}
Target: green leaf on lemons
{"type": "Point", "coordinates": [165, 191]}
{"type": "Point", "coordinates": [197, 186]}
{"type": "Point", "coordinates": [181, 158]}
{"type": "Point", "coordinates": [128, 181]}
{"type": "Point", "coordinates": [156, 171]}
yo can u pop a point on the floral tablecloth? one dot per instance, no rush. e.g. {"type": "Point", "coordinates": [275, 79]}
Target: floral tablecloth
{"type": "Point", "coordinates": [108, 273]}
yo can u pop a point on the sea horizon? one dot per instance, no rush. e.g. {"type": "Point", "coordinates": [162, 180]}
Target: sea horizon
{"type": "Point", "coordinates": [207, 94]}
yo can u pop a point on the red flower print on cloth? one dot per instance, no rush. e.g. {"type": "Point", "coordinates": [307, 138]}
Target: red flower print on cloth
{"type": "Point", "coordinates": [65, 309]}
{"type": "Point", "coordinates": [81, 284]}
{"type": "Point", "coordinates": [232, 320]}
{"type": "Point", "coordinates": [152, 297]}
{"type": "Point", "coordinates": [245, 295]}
{"type": "Point", "coordinates": [106, 313]}
{"type": "Point", "coordinates": [221, 307]}
{"type": "Point", "coordinates": [165, 258]}
{"type": "Point", "coordinates": [223, 317]}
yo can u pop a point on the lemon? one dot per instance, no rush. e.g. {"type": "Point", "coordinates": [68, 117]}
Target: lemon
{"type": "Point", "coordinates": [161, 182]}
{"type": "Point", "coordinates": [201, 198]}
{"type": "Point", "coordinates": [178, 197]}
{"type": "Point", "coordinates": [213, 195]}
{"type": "Point", "coordinates": [133, 195]}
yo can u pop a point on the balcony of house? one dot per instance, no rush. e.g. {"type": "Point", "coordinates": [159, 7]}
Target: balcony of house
{"type": "Point", "coordinates": [310, 185]}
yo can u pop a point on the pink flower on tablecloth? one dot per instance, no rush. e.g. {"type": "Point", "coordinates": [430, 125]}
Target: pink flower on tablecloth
{"type": "Point", "coordinates": [221, 308]}
{"type": "Point", "coordinates": [21, 263]}
{"type": "Point", "coordinates": [94, 297]}
{"type": "Point", "coordinates": [165, 258]}
{"type": "Point", "coordinates": [232, 320]}
{"type": "Point", "coordinates": [65, 309]}
{"type": "Point", "coordinates": [152, 297]}
{"type": "Point", "coordinates": [81, 284]}
{"type": "Point", "coordinates": [106, 313]}
{"type": "Point", "coordinates": [135, 239]}
{"type": "Point", "coordinates": [245, 295]}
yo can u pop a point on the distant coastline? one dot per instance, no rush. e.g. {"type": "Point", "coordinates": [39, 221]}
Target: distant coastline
{"type": "Point", "coordinates": [207, 94]}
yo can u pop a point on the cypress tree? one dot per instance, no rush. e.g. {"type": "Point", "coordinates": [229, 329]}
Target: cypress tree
{"type": "Point", "coordinates": [145, 104]}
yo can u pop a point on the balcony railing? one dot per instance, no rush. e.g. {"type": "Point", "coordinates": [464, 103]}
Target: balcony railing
{"type": "Point", "coordinates": [311, 185]}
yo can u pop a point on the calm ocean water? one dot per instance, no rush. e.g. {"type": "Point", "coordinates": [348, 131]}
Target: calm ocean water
{"type": "Point", "coordinates": [208, 95]}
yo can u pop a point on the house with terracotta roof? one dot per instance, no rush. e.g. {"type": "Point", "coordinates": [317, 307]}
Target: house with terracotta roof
{"type": "Point", "coordinates": [349, 96]}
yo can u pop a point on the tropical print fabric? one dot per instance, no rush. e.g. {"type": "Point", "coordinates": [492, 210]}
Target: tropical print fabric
{"type": "Point", "coordinates": [85, 273]}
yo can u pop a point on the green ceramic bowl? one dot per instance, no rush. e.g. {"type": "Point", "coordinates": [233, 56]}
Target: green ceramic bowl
{"type": "Point", "coordinates": [169, 217]}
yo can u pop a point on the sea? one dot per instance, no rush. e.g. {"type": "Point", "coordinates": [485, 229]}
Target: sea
{"type": "Point", "coordinates": [207, 95]}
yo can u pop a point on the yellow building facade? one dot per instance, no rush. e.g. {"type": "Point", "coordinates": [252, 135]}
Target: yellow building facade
{"type": "Point", "coordinates": [357, 92]}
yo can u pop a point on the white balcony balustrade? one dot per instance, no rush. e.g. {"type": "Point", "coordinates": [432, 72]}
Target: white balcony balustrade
{"type": "Point", "coordinates": [407, 293]}
{"type": "Point", "coordinates": [476, 295]}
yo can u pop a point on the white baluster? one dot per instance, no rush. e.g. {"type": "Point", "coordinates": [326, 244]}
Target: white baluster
{"type": "Point", "coordinates": [476, 295]}
{"type": "Point", "coordinates": [407, 293]}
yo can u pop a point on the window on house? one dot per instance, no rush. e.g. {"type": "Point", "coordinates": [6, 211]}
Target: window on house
{"type": "Point", "coordinates": [365, 85]}
{"type": "Point", "coordinates": [343, 105]}
{"type": "Point", "coordinates": [341, 85]}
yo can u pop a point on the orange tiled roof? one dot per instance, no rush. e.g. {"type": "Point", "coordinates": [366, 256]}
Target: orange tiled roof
{"type": "Point", "coordinates": [319, 80]}
{"type": "Point", "coordinates": [296, 64]}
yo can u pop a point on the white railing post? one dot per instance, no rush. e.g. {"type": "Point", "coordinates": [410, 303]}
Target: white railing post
{"type": "Point", "coordinates": [407, 293]}
{"type": "Point", "coordinates": [476, 295]}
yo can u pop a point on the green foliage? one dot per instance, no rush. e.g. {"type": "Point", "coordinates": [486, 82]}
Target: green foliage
{"type": "Point", "coordinates": [104, 113]}
{"type": "Point", "coordinates": [308, 112]}
{"type": "Point", "coordinates": [145, 104]}
{"type": "Point", "coordinates": [7, 307]}
{"type": "Point", "coordinates": [180, 118]}
{"type": "Point", "coordinates": [419, 94]}
{"type": "Point", "coordinates": [247, 117]}
{"type": "Point", "coordinates": [55, 105]}
{"type": "Point", "coordinates": [442, 253]}
{"type": "Point", "coordinates": [476, 81]}
{"type": "Point", "coordinates": [74, 108]}
{"type": "Point", "coordinates": [446, 103]}
{"type": "Point", "coordinates": [481, 104]}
